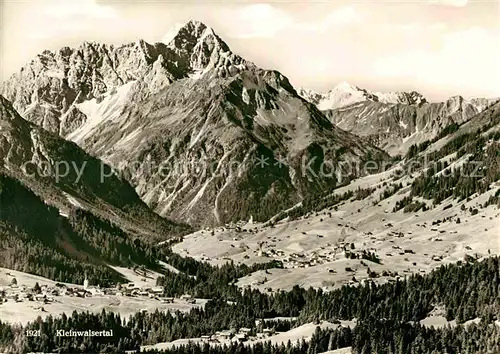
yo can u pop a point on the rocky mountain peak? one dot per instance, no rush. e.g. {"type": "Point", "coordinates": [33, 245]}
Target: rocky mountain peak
{"type": "Point", "coordinates": [309, 95]}
{"type": "Point", "coordinates": [194, 29]}
{"type": "Point", "coordinates": [187, 36]}
{"type": "Point", "coordinates": [194, 34]}
{"type": "Point", "coordinates": [48, 89]}
{"type": "Point", "coordinates": [198, 47]}
{"type": "Point", "coordinates": [190, 102]}
{"type": "Point", "coordinates": [345, 87]}
{"type": "Point", "coordinates": [412, 97]}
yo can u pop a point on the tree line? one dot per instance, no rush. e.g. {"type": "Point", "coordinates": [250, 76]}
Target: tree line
{"type": "Point", "coordinates": [387, 315]}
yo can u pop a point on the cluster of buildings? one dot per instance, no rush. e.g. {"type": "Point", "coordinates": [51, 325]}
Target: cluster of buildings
{"type": "Point", "coordinates": [241, 335]}
{"type": "Point", "coordinates": [326, 254]}
{"type": "Point", "coordinates": [46, 294]}
{"type": "Point", "coordinates": [43, 294]}
{"type": "Point", "coordinates": [133, 290]}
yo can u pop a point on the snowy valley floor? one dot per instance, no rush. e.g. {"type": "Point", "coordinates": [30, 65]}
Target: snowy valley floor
{"type": "Point", "coordinates": [312, 246]}
{"type": "Point", "coordinates": [27, 311]}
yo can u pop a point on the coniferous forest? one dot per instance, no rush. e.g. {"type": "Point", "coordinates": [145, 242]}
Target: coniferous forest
{"type": "Point", "coordinates": [36, 239]}
{"type": "Point", "coordinates": [387, 315]}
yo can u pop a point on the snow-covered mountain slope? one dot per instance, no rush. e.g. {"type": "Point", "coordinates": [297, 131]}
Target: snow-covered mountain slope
{"type": "Point", "coordinates": [47, 90]}
{"type": "Point", "coordinates": [218, 140]}
{"type": "Point", "coordinates": [345, 94]}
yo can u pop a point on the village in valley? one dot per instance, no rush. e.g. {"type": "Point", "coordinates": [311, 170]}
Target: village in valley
{"type": "Point", "coordinates": [24, 297]}
{"type": "Point", "coordinates": [325, 249]}
{"type": "Point", "coordinates": [352, 243]}
{"type": "Point", "coordinates": [278, 330]}
{"type": "Point", "coordinates": [46, 294]}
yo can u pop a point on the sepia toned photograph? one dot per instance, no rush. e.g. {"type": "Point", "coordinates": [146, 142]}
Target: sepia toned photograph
{"type": "Point", "coordinates": [244, 177]}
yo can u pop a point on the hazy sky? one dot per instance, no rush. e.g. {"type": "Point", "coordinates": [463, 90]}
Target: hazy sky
{"type": "Point", "coordinates": [437, 47]}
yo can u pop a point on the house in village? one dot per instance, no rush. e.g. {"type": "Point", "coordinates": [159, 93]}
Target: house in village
{"type": "Point", "coordinates": [157, 291]}
{"type": "Point", "coordinates": [245, 330]}
{"type": "Point", "coordinates": [12, 296]}
{"type": "Point", "coordinates": [241, 337]}
{"type": "Point", "coordinates": [268, 331]}
{"type": "Point", "coordinates": [224, 335]}
{"type": "Point", "coordinates": [188, 298]}
{"type": "Point", "coordinates": [111, 291]}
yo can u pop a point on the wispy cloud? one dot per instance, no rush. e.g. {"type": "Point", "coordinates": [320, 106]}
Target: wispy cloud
{"type": "Point", "coordinates": [47, 31]}
{"type": "Point", "coordinates": [64, 18]}
{"type": "Point", "coordinates": [467, 58]}
{"type": "Point", "coordinates": [257, 20]}
{"type": "Point", "coordinates": [265, 20]}
{"type": "Point", "coordinates": [342, 16]}
{"type": "Point", "coordinates": [87, 9]}
{"type": "Point", "coordinates": [414, 27]}
{"type": "Point", "coordinates": [456, 3]}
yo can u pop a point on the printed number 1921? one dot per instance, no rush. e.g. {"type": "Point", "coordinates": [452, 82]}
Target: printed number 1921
{"type": "Point", "coordinates": [33, 332]}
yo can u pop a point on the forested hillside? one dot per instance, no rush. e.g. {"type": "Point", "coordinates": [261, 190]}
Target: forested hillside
{"type": "Point", "coordinates": [387, 316]}
{"type": "Point", "coordinates": [466, 163]}
{"type": "Point", "coordinates": [35, 238]}
{"type": "Point", "coordinates": [64, 175]}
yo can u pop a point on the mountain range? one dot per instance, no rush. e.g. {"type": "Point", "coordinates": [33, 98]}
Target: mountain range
{"type": "Point", "coordinates": [393, 121]}
{"type": "Point", "coordinates": [201, 135]}
{"type": "Point", "coordinates": [195, 107]}
{"type": "Point", "coordinates": [187, 171]}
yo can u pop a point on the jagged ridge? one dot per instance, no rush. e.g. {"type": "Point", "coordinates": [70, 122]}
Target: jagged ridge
{"type": "Point", "coordinates": [393, 121]}
{"type": "Point", "coordinates": [345, 94]}
{"type": "Point", "coordinates": [47, 90]}
{"type": "Point", "coordinates": [217, 108]}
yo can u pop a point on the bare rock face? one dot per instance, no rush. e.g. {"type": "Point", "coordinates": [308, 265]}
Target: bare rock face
{"type": "Point", "coordinates": [393, 121]}
{"type": "Point", "coordinates": [51, 84]}
{"type": "Point", "coordinates": [395, 127]}
{"type": "Point", "coordinates": [203, 135]}
{"type": "Point", "coordinates": [46, 90]}
{"type": "Point", "coordinates": [213, 149]}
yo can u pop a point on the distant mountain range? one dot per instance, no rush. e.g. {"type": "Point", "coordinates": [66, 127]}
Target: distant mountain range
{"type": "Point", "coordinates": [393, 121]}
{"type": "Point", "coordinates": [237, 140]}
{"type": "Point", "coordinates": [206, 137]}
{"type": "Point", "coordinates": [345, 94]}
